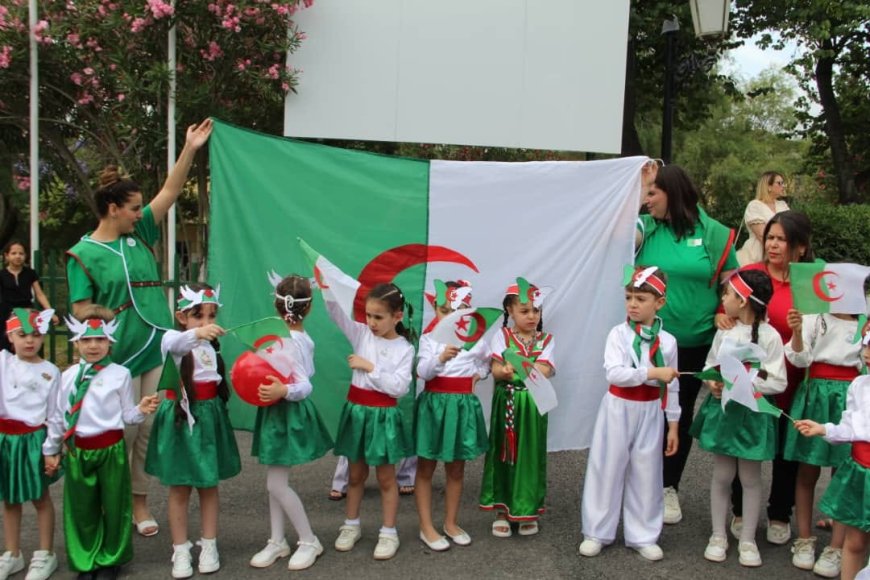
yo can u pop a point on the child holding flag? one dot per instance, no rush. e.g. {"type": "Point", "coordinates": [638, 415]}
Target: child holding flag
{"type": "Point", "coordinates": [739, 436]}
{"type": "Point", "coordinates": [625, 459]}
{"type": "Point", "coordinates": [449, 424]}
{"type": "Point", "coordinates": [847, 499]}
{"type": "Point", "coordinates": [828, 345]}
{"type": "Point", "coordinates": [289, 431]}
{"type": "Point", "coordinates": [28, 393]}
{"type": "Point", "coordinates": [192, 444]}
{"type": "Point", "coordinates": [94, 402]}
{"type": "Point", "coordinates": [515, 471]}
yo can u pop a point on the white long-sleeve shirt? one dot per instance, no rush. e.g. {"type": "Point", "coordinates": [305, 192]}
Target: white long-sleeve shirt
{"type": "Point", "coordinates": [108, 405]}
{"type": "Point", "coordinates": [773, 363]}
{"type": "Point", "coordinates": [623, 369]}
{"type": "Point", "coordinates": [28, 391]}
{"type": "Point", "coordinates": [854, 423]}
{"type": "Point", "coordinates": [393, 359]}
{"type": "Point", "coordinates": [827, 339]}
{"type": "Point", "coordinates": [178, 344]}
{"type": "Point", "coordinates": [467, 363]}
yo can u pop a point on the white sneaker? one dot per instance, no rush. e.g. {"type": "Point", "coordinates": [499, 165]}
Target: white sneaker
{"type": "Point", "coordinates": [749, 555]}
{"type": "Point", "coordinates": [388, 545]}
{"type": "Point", "coordinates": [717, 548]}
{"type": "Point", "coordinates": [590, 548]}
{"type": "Point", "coordinates": [10, 564]}
{"type": "Point", "coordinates": [42, 565]}
{"type": "Point", "coordinates": [673, 513]}
{"type": "Point", "coordinates": [804, 550]}
{"type": "Point", "coordinates": [348, 535]}
{"type": "Point", "coordinates": [272, 552]}
{"type": "Point", "coordinates": [182, 561]}
{"type": "Point", "coordinates": [209, 559]}
{"type": "Point", "coordinates": [306, 554]}
{"type": "Point", "coordinates": [828, 564]}
{"type": "Point", "coordinates": [736, 527]}
{"type": "Point", "coordinates": [778, 534]}
{"type": "Point", "coordinates": [652, 552]}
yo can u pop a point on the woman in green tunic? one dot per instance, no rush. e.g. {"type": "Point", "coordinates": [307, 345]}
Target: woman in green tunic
{"type": "Point", "coordinates": [115, 266]}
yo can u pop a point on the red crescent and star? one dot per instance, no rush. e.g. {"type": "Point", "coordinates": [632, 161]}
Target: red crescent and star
{"type": "Point", "coordinates": [479, 328]}
{"type": "Point", "coordinates": [830, 286]}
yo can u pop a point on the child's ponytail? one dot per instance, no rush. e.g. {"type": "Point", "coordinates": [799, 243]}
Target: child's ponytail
{"type": "Point", "coordinates": [762, 291]}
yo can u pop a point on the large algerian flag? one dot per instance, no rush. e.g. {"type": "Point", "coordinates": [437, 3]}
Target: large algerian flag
{"type": "Point", "coordinates": [567, 225]}
{"type": "Point", "coordinates": [818, 287]}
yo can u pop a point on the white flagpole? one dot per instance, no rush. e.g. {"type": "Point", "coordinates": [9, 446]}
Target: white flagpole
{"type": "Point", "coordinates": [170, 158]}
{"type": "Point", "coordinates": [34, 136]}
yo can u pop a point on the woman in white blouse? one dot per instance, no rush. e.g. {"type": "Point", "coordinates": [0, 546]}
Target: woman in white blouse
{"type": "Point", "coordinates": [767, 203]}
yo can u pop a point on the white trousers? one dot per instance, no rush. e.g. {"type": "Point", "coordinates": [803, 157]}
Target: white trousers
{"type": "Point", "coordinates": [624, 468]}
{"type": "Point", "coordinates": [406, 476]}
{"type": "Point", "coordinates": [136, 436]}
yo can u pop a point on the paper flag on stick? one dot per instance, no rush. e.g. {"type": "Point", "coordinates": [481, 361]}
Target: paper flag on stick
{"type": "Point", "coordinates": [539, 386]}
{"type": "Point", "coordinates": [465, 327]}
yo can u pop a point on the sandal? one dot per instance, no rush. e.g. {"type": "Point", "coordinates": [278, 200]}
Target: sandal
{"type": "Point", "coordinates": [825, 524]}
{"type": "Point", "coordinates": [147, 528]}
{"type": "Point", "coordinates": [528, 528]}
{"type": "Point", "coordinates": [335, 495]}
{"type": "Point", "coordinates": [406, 490]}
{"type": "Point", "coordinates": [501, 528]}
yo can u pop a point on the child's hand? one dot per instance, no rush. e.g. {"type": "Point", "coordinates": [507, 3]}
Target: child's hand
{"type": "Point", "coordinates": [715, 388]}
{"type": "Point", "coordinates": [794, 320]}
{"type": "Point", "coordinates": [272, 391]}
{"type": "Point", "coordinates": [809, 428]}
{"type": "Point", "coordinates": [149, 404]}
{"type": "Point", "coordinates": [52, 463]}
{"type": "Point", "coordinates": [448, 353]}
{"type": "Point", "coordinates": [209, 332]}
{"type": "Point", "coordinates": [55, 319]}
{"type": "Point", "coordinates": [672, 439]}
{"type": "Point", "coordinates": [666, 374]}
{"type": "Point", "coordinates": [474, 380]}
{"type": "Point", "coordinates": [544, 369]}
{"type": "Point", "coordinates": [724, 322]}
{"type": "Point", "coordinates": [358, 363]}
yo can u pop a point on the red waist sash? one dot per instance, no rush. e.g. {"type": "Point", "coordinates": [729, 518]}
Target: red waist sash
{"type": "Point", "coordinates": [832, 372]}
{"type": "Point", "coordinates": [99, 441]}
{"type": "Point", "coordinates": [368, 398]}
{"type": "Point", "coordinates": [202, 391]}
{"type": "Point", "coordinates": [451, 385]}
{"type": "Point", "coordinates": [13, 427]}
{"type": "Point", "coordinates": [638, 393]}
{"type": "Point", "coordinates": [861, 453]}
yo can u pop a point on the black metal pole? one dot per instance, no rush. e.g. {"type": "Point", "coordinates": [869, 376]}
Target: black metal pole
{"type": "Point", "coordinates": [669, 29]}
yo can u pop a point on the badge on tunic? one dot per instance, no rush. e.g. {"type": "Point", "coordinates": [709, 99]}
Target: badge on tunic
{"type": "Point", "coordinates": [131, 242]}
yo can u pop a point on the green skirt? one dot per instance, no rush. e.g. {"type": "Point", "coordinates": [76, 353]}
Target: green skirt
{"type": "Point", "coordinates": [290, 433]}
{"type": "Point", "coordinates": [199, 459]}
{"type": "Point", "coordinates": [375, 435]}
{"type": "Point", "coordinates": [847, 499]}
{"type": "Point", "coordinates": [449, 427]}
{"type": "Point", "coordinates": [737, 432]}
{"type": "Point", "coordinates": [518, 489]}
{"type": "Point", "coordinates": [823, 401]}
{"type": "Point", "coordinates": [22, 467]}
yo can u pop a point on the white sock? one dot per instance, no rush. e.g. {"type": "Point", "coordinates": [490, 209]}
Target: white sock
{"type": "Point", "coordinates": [389, 531]}
{"type": "Point", "coordinates": [353, 522]}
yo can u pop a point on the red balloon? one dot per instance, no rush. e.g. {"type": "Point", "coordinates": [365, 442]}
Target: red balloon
{"type": "Point", "coordinates": [248, 373]}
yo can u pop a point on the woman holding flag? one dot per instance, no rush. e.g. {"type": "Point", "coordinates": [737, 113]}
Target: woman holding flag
{"type": "Point", "coordinates": [115, 266]}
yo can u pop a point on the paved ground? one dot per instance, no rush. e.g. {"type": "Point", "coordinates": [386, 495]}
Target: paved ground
{"type": "Point", "coordinates": [551, 554]}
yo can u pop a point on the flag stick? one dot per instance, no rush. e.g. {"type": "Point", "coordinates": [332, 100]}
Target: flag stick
{"type": "Point", "coordinates": [787, 416]}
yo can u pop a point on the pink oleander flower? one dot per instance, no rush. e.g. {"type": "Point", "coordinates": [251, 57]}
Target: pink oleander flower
{"type": "Point", "coordinates": [88, 71]}
{"type": "Point", "coordinates": [39, 32]}
{"type": "Point", "coordinates": [3, 13]}
{"type": "Point", "coordinates": [159, 9]}
{"type": "Point", "coordinates": [74, 39]}
{"type": "Point", "coordinates": [214, 51]}
{"type": "Point", "coordinates": [138, 25]}
{"type": "Point", "coordinates": [86, 99]}
{"type": "Point", "coordinates": [5, 57]}
{"type": "Point", "coordinates": [22, 182]}
{"type": "Point", "coordinates": [308, 3]}
{"type": "Point", "coordinates": [76, 78]}
{"type": "Point", "coordinates": [285, 87]}
{"type": "Point", "coordinates": [121, 97]}
{"type": "Point", "coordinates": [274, 71]}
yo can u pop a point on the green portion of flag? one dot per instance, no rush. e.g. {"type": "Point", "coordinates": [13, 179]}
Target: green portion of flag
{"type": "Point", "coordinates": [804, 285]}
{"type": "Point", "coordinates": [711, 374]}
{"type": "Point", "coordinates": [251, 333]}
{"type": "Point", "coordinates": [352, 206]}
{"type": "Point", "coordinates": [170, 377]}
{"type": "Point", "coordinates": [765, 406]}
{"type": "Point", "coordinates": [489, 317]}
{"type": "Point", "coordinates": [520, 363]}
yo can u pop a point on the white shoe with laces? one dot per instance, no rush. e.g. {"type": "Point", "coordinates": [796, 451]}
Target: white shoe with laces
{"type": "Point", "coordinates": [829, 563]}
{"type": "Point", "coordinates": [182, 561]}
{"type": "Point", "coordinates": [804, 553]}
{"type": "Point", "coordinates": [42, 565]}
{"type": "Point", "coordinates": [209, 559]}
{"type": "Point", "coordinates": [673, 513]}
{"type": "Point", "coordinates": [306, 554]}
{"type": "Point", "coordinates": [749, 555]}
{"type": "Point", "coordinates": [717, 548]}
{"type": "Point", "coordinates": [271, 553]}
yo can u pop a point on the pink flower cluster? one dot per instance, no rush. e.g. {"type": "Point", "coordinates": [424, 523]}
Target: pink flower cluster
{"type": "Point", "coordinates": [160, 9]}
{"type": "Point", "coordinates": [23, 182]}
{"type": "Point", "coordinates": [5, 56]}
{"type": "Point", "coordinates": [4, 12]}
{"type": "Point", "coordinates": [213, 53]}
{"type": "Point", "coordinates": [39, 32]}
{"type": "Point", "coordinates": [139, 24]}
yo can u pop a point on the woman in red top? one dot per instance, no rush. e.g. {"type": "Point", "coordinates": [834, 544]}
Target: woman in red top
{"type": "Point", "coordinates": [786, 240]}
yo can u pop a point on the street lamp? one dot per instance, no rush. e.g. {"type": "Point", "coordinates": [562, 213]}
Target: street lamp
{"type": "Point", "coordinates": [710, 17]}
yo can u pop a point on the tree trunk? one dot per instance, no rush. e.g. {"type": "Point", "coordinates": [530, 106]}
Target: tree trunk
{"type": "Point", "coordinates": [630, 139]}
{"type": "Point", "coordinates": [842, 161]}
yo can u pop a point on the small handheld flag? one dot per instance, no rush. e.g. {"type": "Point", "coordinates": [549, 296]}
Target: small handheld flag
{"type": "Point", "coordinates": [465, 327]}
{"type": "Point", "coordinates": [341, 287]}
{"type": "Point", "coordinates": [539, 386]}
{"type": "Point", "coordinates": [836, 288]}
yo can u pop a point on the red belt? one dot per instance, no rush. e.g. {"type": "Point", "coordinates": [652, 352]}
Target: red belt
{"type": "Point", "coordinates": [638, 393]}
{"type": "Point", "coordinates": [201, 391]}
{"type": "Point", "coordinates": [99, 441]}
{"type": "Point", "coordinates": [13, 427]}
{"type": "Point", "coordinates": [451, 385]}
{"type": "Point", "coordinates": [368, 398]}
{"type": "Point", "coordinates": [832, 372]}
{"type": "Point", "coordinates": [861, 453]}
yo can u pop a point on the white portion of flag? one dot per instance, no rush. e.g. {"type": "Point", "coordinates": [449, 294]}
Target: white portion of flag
{"type": "Point", "coordinates": [451, 329]}
{"type": "Point", "coordinates": [844, 284]}
{"type": "Point", "coordinates": [741, 390]}
{"type": "Point", "coordinates": [279, 354]}
{"type": "Point", "coordinates": [542, 391]}
{"type": "Point", "coordinates": [568, 225]}
{"type": "Point", "coordinates": [339, 286]}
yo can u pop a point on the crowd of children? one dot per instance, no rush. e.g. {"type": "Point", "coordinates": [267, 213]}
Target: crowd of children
{"type": "Point", "coordinates": [71, 425]}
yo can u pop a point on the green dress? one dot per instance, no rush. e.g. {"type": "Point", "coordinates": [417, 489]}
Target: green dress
{"type": "Point", "coordinates": [515, 469]}
{"type": "Point", "coordinates": [107, 272]}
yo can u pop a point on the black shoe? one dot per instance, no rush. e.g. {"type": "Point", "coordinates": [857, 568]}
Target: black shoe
{"type": "Point", "coordinates": [87, 575]}
{"type": "Point", "coordinates": [110, 573]}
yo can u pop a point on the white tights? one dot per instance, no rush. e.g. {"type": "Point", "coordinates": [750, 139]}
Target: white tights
{"type": "Point", "coordinates": [284, 501]}
{"type": "Point", "coordinates": [724, 470]}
